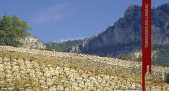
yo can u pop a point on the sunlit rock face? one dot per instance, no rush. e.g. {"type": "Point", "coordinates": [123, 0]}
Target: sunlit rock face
{"type": "Point", "coordinates": [125, 36]}
{"type": "Point", "coordinates": [33, 43]}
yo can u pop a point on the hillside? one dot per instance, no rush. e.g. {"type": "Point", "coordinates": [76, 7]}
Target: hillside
{"type": "Point", "coordinates": [125, 35]}
{"type": "Point", "coordinates": [30, 69]}
{"type": "Point", "coordinates": [124, 38]}
{"type": "Point", "coordinates": [63, 46]}
{"type": "Point", "coordinates": [32, 43]}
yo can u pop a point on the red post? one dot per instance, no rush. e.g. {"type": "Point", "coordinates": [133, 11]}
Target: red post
{"type": "Point", "coordinates": [146, 39]}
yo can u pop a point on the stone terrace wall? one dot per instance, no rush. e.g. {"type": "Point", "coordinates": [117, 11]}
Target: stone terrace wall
{"type": "Point", "coordinates": [158, 72]}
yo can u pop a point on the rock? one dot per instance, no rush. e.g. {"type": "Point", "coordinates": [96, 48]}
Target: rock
{"type": "Point", "coordinates": [61, 82]}
{"type": "Point", "coordinates": [76, 88]}
{"type": "Point", "coordinates": [67, 89]}
{"type": "Point", "coordinates": [81, 85]}
{"type": "Point", "coordinates": [32, 43]}
{"type": "Point", "coordinates": [75, 48]}
{"type": "Point", "coordinates": [125, 36]}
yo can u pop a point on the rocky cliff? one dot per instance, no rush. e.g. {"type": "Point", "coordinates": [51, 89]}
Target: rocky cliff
{"type": "Point", "coordinates": [32, 43]}
{"type": "Point", "coordinates": [125, 36]}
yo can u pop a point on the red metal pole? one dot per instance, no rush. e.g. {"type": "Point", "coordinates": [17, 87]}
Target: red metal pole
{"type": "Point", "coordinates": [146, 39]}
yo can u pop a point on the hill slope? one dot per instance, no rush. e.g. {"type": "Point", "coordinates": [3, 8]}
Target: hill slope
{"type": "Point", "coordinates": [63, 46]}
{"type": "Point", "coordinates": [25, 69]}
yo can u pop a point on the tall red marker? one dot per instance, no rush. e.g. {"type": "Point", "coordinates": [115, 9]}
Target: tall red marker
{"type": "Point", "coordinates": [146, 39]}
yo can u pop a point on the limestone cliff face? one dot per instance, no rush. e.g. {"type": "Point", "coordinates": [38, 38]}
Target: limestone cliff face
{"type": "Point", "coordinates": [33, 43]}
{"type": "Point", "coordinates": [126, 34]}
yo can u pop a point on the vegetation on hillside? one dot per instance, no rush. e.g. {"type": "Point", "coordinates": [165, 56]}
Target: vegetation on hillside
{"type": "Point", "coordinates": [54, 71]}
{"type": "Point", "coordinates": [63, 46]}
{"type": "Point", "coordinates": [12, 29]}
{"type": "Point", "coordinates": [162, 56]}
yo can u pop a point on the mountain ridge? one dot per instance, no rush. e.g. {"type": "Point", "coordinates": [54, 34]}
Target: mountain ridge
{"type": "Point", "coordinates": [126, 33]}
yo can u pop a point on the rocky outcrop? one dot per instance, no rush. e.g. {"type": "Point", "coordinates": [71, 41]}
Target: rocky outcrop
{"type": "Point", "coordinates": [32, 43]}
{"type": "Point", "coordinates": [126, 34]}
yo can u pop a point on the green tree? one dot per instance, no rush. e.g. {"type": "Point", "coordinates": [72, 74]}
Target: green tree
{"type": "Point", "coordinates": [12, 30]}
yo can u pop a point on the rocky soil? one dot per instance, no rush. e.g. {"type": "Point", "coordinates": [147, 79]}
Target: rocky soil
{"type": "Point", "coordinates": [30, 69]}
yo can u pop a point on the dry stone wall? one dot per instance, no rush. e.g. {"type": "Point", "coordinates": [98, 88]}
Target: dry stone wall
{"type": "Point", "coordinates": [30, 69]}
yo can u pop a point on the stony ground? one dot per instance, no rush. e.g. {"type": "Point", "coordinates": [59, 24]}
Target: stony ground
{"type": "Point", "coordinates": [28, 70]}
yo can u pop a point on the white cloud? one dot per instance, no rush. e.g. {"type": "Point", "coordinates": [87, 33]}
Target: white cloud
{"type": "Point", "coordinates": [51, 14]}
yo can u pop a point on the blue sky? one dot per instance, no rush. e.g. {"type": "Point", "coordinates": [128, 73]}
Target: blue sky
{"type": "Point", "coordinates": [61, 20]}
